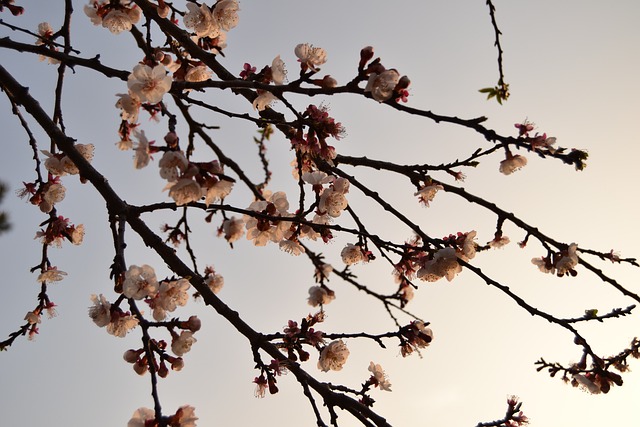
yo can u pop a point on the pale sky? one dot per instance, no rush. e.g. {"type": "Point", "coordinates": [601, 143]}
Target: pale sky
{"type": "Point", "coordinates": [573, 67]}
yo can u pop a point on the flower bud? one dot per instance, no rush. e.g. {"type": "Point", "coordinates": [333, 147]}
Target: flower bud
{"type": "Point", "coordinates": [163, 371]}
{"type": "Point", "coordinates": [131, 356]}
{"type": "Point", "coordinates": [163, 11]}
{"type": "Point", "coordinates": [403, 83]}
{"type": "Point", "coordinates": [171, 138]}
{"type": "Point", "coordinates": [365, 56]}
{"type": "Point", "coordinates": [140, 367]}
{"type": "Point", "coordinates": [193, 324]}
{"type": "Point", "coordinates": [167, 60]}
{"type": "Point", "coordinates": [177, 363]}
{"type": "Point", "coordinates": [158, 55]}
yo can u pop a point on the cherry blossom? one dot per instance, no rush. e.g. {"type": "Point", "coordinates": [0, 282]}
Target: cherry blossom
{"type": "Point", "coordinates": [291, 246]}
{"type": "Point", "coordinates": [60, 164]}
{"type": "Point", "coordinates": [46, 33]}
{"type": "Point", "coordinates": [100, 311]}
{"type": "Point", "coordinates": [333, 356]}
{"type": "Point", "coordinates": [119, 20]}
{"type": "Point", "coordinates": [200, 19]}
{"type": "Point", "coordinates": [418, 336]}
{"type": "Point", "coordinates": [143, 151]}
{"type": "Point", "coordinates": [310, 56]}
{"type": "Point", "coordinates": [184, 417]}
{"type": "Point", "coordinates": [184, 191]}
{"type": "Point", "coordinates": [121, 323]}
{"type": "Point", "coordinates": [172, 293]}
{"type": "Point", "coordinates": [233, 229]}
{"type": "Point", "coordinates": [319, 295]}
{"type": "Point", "coordinates": [263, 100]}
{"type": "Point", "coordinates": [172, 164]}
{"type": "Point", "coordinates": [427, 193]}
{"type": "Point", "coordinates": [217, 191]}
{"type": "Point", "coordinates": [129, 103]}
{"type": "Point", "coordinates": [149, 84]}
{"type": "Point", "coordinates": [32, 318]}
{"type": "Point", "coordinates": [140, 282]}
{"type": "Point", "coordinates": [568, 260]}
{"type": "Point", "coordinates": [199, 73]}
{"type": "Point", "coordinates": [182, 344]}
{"type": "Point", "coordinates": [352, 254]}
{"type": "Point", "coordinates": [52, 274]}
{"type": "Point", "coordinates": [379, 377]}
{"type": "Point", "coordinates": [214, 281]}
{"type": "Point", "coordinates": [332, 202]}
{"type": "Point", "coordinates": [382, 85]}
{"type": "Point", "coordinates": [141, 416]}
{"type": "Point", "coordinates": [443, 264]}
{"type": "Point", "coordinates": [278, 71]}
{"type": "Point", "coordinates": [226, 14]}
{"type": "Point", "coordinates": [53, 193]}
{"type": "Point", "coordinates": [512, 163]}
{"type": "Point", "coordinates": [499, 242]}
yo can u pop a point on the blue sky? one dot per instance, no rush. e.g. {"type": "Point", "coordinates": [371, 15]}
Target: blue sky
{"type": "Point", "coordinates": [573, 69]}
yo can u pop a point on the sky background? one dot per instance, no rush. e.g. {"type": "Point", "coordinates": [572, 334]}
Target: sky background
{"type": "Point", "coordinates": [573, 67]}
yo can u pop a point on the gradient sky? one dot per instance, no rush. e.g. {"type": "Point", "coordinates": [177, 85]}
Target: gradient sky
{"type": "Point", "coordinates": [573, 67]}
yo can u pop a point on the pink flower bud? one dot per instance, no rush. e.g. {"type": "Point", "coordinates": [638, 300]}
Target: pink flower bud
{"type": "Point", "coordinates": [365, 56]}
{"type": "Point", "coordinates": [163, 11]}
{"type": "Point", "coordinates": [194, 324]}
{"type": "Point", "coordinates": [163, 371]}
{"type": "Point", "coordinates": [177, 364]}
{"type": "Point", "coordinates": [131, 356]}
{"type": "Point", "coordinates": [140, 367]}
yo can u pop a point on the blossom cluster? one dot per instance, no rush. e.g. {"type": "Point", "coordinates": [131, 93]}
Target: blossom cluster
{"type": "Point", "coordinates": [313, 144]}
{"type": "Point", "coordinates": [383, 84]}
{"type": "Point", "coordinates": [145, 417]}
{"type": "Point", "coordinates": [560, 263]}
{"type": "Point", "coordinates": [540, 143]}
{"type": "Point", "coordinates": [116, 16]}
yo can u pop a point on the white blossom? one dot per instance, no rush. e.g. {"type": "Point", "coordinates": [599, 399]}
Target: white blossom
{"type": "Point", "coordinates": [319, 295]}
{"type": "Point", "coordinates": [427, 193]}
{"type": "Point", "coordinates": [233, 229]}
{"type": "Point", "coordinates": [121, 324]}
{"type": "Point", "coordinates": [51, 275]}
{"type": "Point", "coordinates": [352, 254]}
{"type": "Point", "coordinates": [129, 103]}
{"type": "Point", "coordinates": [141, 416]}
{"type": "Point", "coordinates": [172, 293]}
{"type": "Point", "coordinates": [172, 164]}
{"type": "Point", "coordinates": [443, 264]}
{"type": "Point", "coordinates": [214, 281]}
{"type": "Point", "coordinates": [142, 154]}
{"type": "Point", "coordinates": [200, 19]}
{"type": "Point", "coordinates": [278, 71]}
{"type": "Point", "coordinates": [140, 282]}
{"type": "Point", "coordinates": [199, 73]}
{"type": "Point", "coordinates": [382, 85]}
{"type": "Point", "coordinates": [263, 100]}
{"type": "Point", "coordinates": [217, 191]}
{"type": "Point", "coordinates": [225, 14]}
{"type": "Point", "coordinates": [184, 191]}
{"type": "Point", "coordinates": [182, 344]}
{"type": "Point", "coordinates": [512, 164]}
{"type": "Point", "coordinates": [380, 376]}
{"type": "Point", "coordinates": [149, 84]}
{"type": "Point", "coordinates": [122, 19]}
{"type": "Point", "coordinates": [333, 356]}
{"type": "Point", "coordinates": [310, 56]}
{"type": "Point", "coordinates": [100, 311]}
{"type": "Point", "coordinates": [568, 260]}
